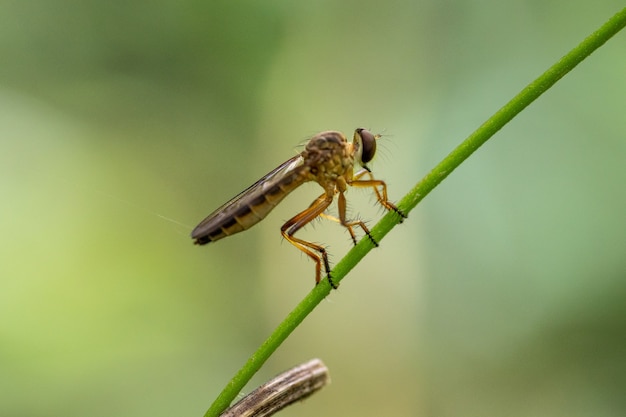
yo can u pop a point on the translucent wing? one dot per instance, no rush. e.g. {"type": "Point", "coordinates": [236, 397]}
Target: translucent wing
{"type": "Point", "coordinates": [251, 205]}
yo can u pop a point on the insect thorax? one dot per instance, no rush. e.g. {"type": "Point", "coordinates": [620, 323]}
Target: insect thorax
{"type": "Point", "coordinates": [328, 156]}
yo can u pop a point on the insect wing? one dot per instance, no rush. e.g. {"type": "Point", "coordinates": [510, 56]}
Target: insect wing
{"type": "Point", "coordinates": [252, 193]}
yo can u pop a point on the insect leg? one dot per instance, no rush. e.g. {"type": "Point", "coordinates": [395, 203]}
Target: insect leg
{"type": "Point", "coordinates": [381, 194]}
{"type": "Point", "coordinates": [341, 206]}
{"type": "Point", "coordinates": [299, 221]}
{"type": "Point", "coordinates": [338, 220]}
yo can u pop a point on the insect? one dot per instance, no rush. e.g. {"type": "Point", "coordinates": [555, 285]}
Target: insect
{"type": "Point", "coordinates": [328, 159]}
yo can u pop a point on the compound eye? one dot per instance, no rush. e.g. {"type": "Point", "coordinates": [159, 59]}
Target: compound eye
{"type": "Point", "coordinates": [368, 144]}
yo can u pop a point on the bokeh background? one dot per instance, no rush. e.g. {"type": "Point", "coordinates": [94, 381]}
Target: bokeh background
{"type": "Point", "coordinates": [123, 124]}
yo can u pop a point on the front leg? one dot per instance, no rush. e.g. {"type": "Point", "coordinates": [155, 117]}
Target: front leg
{"type": "Point", "coordinates": [381, 195]}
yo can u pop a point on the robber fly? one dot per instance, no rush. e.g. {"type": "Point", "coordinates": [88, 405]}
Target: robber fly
{"type": "Point", "coordinates": [328, 159]}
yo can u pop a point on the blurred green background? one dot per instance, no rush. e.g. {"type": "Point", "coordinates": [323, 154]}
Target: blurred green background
{"type": "Point", "coordinates": [123, 124]}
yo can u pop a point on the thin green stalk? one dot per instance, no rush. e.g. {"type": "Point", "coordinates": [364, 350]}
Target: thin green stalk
{"type": "Point", "coordinates": [425, 186]}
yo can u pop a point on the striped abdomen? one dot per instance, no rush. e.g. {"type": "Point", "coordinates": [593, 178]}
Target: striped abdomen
{"type": "Point", "coordinates": [252, 205]}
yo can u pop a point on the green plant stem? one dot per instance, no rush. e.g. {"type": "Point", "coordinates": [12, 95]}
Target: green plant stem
{"type": "Point", "coordinates": [425, 186]}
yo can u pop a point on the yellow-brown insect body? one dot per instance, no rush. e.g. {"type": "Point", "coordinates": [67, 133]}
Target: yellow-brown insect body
{"type": "Point", "coordinates": [328, 159]}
